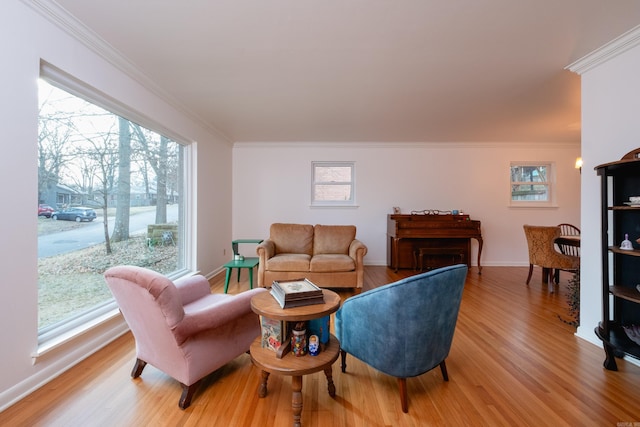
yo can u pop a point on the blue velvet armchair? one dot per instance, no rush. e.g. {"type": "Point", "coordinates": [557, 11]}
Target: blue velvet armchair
{"type": "Point", "coordinates": [403, 329]}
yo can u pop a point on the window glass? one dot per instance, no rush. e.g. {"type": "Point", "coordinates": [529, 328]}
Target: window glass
{"type": "Point", "coordinates": [333, 183]}
{"type": "Point", "coordinates": [531, 183]}
{"type": "Point", "coordinates": [116, 191]}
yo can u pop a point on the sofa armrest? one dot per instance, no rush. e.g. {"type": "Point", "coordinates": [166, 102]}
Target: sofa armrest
{"type": "Point", "coordinates": [216, 315]}
{"type": "Point", "coordinates": [357, 251]}
{"type": "Point", "coordinates": [192, 288]}
{"type": "Point", "coordinates": [266, 250]}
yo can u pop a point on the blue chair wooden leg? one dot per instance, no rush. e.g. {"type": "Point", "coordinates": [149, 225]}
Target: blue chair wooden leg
{"type": "Point", "coordinates": [226, 279]}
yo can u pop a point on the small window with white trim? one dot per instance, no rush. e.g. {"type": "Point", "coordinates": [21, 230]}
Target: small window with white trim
{"type": "Point", "coordinates": [532, 184]}
{"type": "Point", "coordinates": [332, 183]}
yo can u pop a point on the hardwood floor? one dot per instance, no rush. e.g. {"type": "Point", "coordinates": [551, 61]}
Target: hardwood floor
{"type": "Point", "coordinates": [513, 363]}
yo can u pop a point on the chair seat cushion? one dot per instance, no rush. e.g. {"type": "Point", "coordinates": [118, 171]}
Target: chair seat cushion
{"type": "Point", "coordinates": [289, 262]}
{"type": "Point", "coordinates": [332, 263]}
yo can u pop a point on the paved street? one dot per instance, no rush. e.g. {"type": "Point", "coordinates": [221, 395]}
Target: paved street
{"type": "Point", "coordinates": [92, 233]}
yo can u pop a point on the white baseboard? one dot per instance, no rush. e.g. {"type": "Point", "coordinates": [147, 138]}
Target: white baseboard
{"type": "Point", "coordinates": [58, 361]}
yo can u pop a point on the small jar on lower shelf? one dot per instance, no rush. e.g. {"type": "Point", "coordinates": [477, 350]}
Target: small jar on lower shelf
{"type": "Point", "coordinates": [299, 342]}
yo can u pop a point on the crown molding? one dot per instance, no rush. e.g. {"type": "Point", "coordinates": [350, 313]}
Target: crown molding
{"type": "Point", "coordinates": [610, 50]}
{"type": "Point", "coordinates": [62, 19]}
{"type": "Point", "coordinates": [54, 13]}
{"type": "Point", "coordinates": [407, 145]}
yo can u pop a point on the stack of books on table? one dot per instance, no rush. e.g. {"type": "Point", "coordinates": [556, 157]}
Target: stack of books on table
{"type": "Point", "coordinates": [296, 293]}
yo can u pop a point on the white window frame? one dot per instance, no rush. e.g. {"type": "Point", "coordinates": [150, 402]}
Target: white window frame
{"type": "Point", "coordinates": [351, 202]}
{"type": "Point", "coordinates": [53, 336]}
{"type": "Point", "coordinates": [550, 183]}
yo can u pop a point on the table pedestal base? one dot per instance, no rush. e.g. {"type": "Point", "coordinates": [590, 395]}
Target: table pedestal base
{"type": "Point", "coordinates": [296, 392]}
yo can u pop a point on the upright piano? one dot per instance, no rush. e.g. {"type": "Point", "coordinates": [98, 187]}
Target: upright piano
{"type": "Point", "coordinates": [407, 234]}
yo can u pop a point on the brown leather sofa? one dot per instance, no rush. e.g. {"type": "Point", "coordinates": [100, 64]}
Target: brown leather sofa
{"type": "Point", "coordinates": [328, 255]}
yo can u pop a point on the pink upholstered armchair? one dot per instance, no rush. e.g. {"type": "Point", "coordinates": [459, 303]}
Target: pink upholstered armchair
{"type": "Point", "coordinates": [182, 328]}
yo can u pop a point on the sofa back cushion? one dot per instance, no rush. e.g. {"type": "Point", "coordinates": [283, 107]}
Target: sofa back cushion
{"type": "Point", "coordinates": [333, 239]}
{"type": "Point", "coordinates": [292, 238]}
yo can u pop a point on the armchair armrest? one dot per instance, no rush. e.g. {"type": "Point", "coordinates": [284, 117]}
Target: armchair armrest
{"type": "Point", "coordinates": [192, 288]}
{"type": "Point", "coordinates": [216, 315]}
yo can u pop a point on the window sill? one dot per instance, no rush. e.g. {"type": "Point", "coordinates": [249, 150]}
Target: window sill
{"type": "Point", "coordinates": [59, 340]}
{"type": "Point", "coordinates": [533, 206]}
{"type": "Point", "coordinates": [334, 206]}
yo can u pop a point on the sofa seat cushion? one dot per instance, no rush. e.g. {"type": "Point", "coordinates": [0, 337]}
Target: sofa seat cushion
{"type": "Point", "coordinates": [332, 263]}
{"type": "Point", "coordinates": [289, 262]}
{"type": "Point", "coordinates": [333, 239]}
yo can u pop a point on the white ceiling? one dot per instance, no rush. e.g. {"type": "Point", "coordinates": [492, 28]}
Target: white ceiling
{"type": "Point", "coordinates": [366, 70]}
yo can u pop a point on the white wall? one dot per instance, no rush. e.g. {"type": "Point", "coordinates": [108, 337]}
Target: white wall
{"type": "Point", "coordinates": [610, 129]}
{"type": "Point", "coordinates": [26, 39]}
{"type": "Point", "coordinates": [272, 182]}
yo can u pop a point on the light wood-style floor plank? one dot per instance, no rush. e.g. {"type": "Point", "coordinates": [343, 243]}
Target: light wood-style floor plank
{"type": "Point", "coordinates": [513, 362]}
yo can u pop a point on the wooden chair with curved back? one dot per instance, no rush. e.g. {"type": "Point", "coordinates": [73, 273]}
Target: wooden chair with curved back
{"type": "Point", "coordinates": [542, 252]}
{"type": "Point", "coordinates": [568, 230]}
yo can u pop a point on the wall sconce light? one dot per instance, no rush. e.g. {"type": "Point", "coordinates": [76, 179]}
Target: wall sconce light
{"type": "Point", "coordinates": [579, 164]}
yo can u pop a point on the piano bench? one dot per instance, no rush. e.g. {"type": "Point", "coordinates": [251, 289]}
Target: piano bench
{"type": "Point", "coordinates": [422, 254]}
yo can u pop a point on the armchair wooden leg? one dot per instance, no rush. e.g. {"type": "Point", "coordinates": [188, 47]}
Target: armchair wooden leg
{"type": "Point", "coordinates": [402, 385]}
{"type": "Point", "coordinates": [187, 393]}
{"type": "Point", "coordinates": [343, 360]}
{"type": "Point", "coordinates": [443, 369]}
{"type": "Point", "coordinates": [530, 273]}
{"type": "Point", "coordinates": [137, 368]}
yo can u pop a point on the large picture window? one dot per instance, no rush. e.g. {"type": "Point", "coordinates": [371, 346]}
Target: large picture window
{"type": "Point", "coordinates": [110, 192]}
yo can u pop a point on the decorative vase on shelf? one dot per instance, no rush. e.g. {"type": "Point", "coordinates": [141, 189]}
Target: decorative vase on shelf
{"type": "Point", "coordinates": [626, 243]}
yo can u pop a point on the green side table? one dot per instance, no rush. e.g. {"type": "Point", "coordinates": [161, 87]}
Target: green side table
{"type": "Point", "coordinates": [235, 243]}
{"type": "Point", "coordinates": [249, 263]}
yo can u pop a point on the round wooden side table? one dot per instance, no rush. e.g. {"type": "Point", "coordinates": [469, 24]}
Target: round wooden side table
{"type": "Point", "coordinates": [295, 366]}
